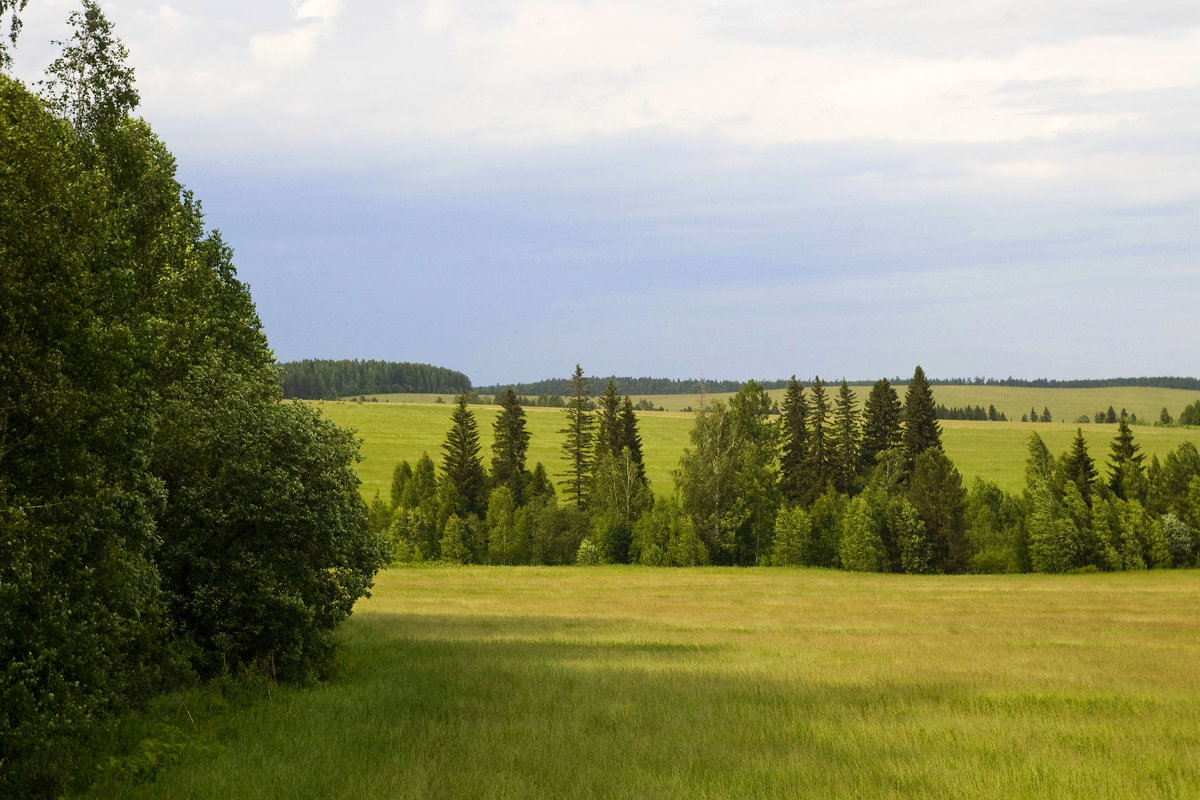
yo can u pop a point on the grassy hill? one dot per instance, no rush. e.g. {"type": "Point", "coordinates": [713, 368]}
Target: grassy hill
{"type": "Point", "coordinates": [615, 682]}
{"type": "Point", "coordinates": [403, 426]}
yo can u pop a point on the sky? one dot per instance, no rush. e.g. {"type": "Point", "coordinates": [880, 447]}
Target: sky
{"type": "Point", "coordinates": [693, 188]}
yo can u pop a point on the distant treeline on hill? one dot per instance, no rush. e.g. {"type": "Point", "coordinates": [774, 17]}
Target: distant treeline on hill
{"type": "Point", "coordinates": [326, 379]}
{"type": "Point", "coordinates": [636, 386]}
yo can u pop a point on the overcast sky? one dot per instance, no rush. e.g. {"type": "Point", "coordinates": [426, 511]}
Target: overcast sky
{"type": "Point", "coordinates": [693, 188]}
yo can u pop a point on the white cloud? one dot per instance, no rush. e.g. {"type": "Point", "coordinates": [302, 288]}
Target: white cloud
{"type": "Point", "coordinates": [283, 50]}
{"type": "Point", "coordinates": [319, 9]}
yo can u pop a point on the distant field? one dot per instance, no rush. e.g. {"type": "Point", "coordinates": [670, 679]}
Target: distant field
{"type": "Point", "coordinates": [992, 450]}
{"type": "Point", "coordinates": [627, 682]}
{"type": "Point", "coordinates": [1065, 404]}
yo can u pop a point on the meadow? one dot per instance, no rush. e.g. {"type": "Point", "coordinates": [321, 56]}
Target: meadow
{"type": "Point", "coordinates": [399, 427]}
{"type": "Point", "coordinates": [489, 682]}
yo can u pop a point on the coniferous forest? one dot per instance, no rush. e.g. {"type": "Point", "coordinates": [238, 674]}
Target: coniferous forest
{"type": "Point", "coordinates": [823, 483]}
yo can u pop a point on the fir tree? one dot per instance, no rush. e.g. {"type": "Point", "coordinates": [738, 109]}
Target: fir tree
{"type": "Point", "coordinates": [509, 445]}
{"type": "Point", "coordinates": [577, 447]}
{"type": "Point", "coordinates": [795, 441]}
{"type": "Point", "coordinates": [1046, 414]}
{"type": "Point", "coordinates": [631, 440]}
{"type": "Point", "coordinates": [608, 428]}
{"type": "Point", "coordinates": [1078, 467]}
{"type": "Point", "coordinates": [921, 429]}
{"type": "Point", "coordinates": [845, 439]}
{"type": "Point", "coordinates": [817, 464]}
{"type": "Point", "coordinates": [881, 423]}
{"type": "Point", "coordinates": [462, 466]}
{"type": "Point", "coordinates": [1124, 451]}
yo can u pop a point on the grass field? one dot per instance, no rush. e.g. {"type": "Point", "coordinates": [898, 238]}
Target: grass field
{"type": "Point", "coordinates": [991, 450]}
{"type": "Point", "coordinates": [724, 683]}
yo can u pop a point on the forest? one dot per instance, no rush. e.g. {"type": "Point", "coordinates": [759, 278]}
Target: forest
{"type": "Point", "coordinates": [825, 483]}
{"type": "Point", "coordinates": [165, 518]}
{"type": "Point", "coordinates": [325, 379]}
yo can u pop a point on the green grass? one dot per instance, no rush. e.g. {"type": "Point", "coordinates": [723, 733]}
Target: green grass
{"type": "Point", "coordinates": [724, 683]}
{"type": "Point", "coordinates": [992, 450]}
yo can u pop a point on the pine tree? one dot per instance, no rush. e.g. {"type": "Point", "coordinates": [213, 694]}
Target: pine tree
{"type": "Point", "coordinates": [795, 441]}
{"type": "Point", "coordinates": [1078, 467]}
{"type": "Point", "coordinates": [845, 439]}
{"type": "Point", "coordinates": [462, 466]}
{"type": "Point", "coordinates": [817, 465]}
{"type": "Point", "coordinates": [577, 447]}
{"type": "Point", "coordinates": [1046, 414]}
{"type": "Point", "coordinates": [1033, 415]}
{"type": "Point", "coordinates": [509, 445]}
{"type": "Point", "coordinates": [881, 423]}
{"type": "Point", "coordinates": [921, 429]}
{"type": "Point", "coordinates": [1125, 457]}
{"type": "Point", "coordinates": [992, 414]}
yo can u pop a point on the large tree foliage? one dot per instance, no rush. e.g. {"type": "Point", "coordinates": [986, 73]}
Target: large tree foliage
{"type": "Point", "coordinates": [89, 83]}
{"type": "Point", "coordinates": [12, 9]}
{"type": "Point", "coordinates": [158, 504]}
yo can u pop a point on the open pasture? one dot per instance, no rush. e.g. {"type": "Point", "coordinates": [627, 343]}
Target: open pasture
{"type": "Point", "coordinates": [994, 451]}
{"type": "Point", "coordinates": [634, 682]}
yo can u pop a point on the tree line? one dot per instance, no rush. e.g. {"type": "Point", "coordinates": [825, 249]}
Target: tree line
{"type": "Point", "coordinates": [823, 483]}
{"type": "Point", "coordinates": [164, 516]}
{"type": "Point", "coordinates": [325, 379]}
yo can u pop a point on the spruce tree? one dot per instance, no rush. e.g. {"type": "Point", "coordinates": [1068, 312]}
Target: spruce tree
{"type": "Point", "coordinates": [1125, 456]}
{"type": "Point", "coordinates": [795, 441]}
{"type": "Point", "coordinates": [462, 466]}
{"type": "Point", "coordinates": [509, 445]}
{"type": "Point", "coordinates": [882, 415]}
{"type": "Point", "coordinates": [1046, 414]}
{"type": "Point", "coordinates": [1078, 467]}
{"type": "Point", "coordinates": [577, 447]}
{"type": "Point", "coordinates": [817, 467]}
{"type": "Point", "coordinates": [845, 439]}
{"type": "Point", "coordinates": [608, 423]}
{"type": "Point", "coordinates": [921, 429]}
{"type": "Point", "coordinates": [631, 440]}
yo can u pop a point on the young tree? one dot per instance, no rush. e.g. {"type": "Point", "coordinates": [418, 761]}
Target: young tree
{"type": "Point", "coordinates": [757, 474]}
{"type": "Point", "coordinates": [845, 439]}
{"type": "Point", "coordinates": [505, 545]}
{"type": "Point", "coordinates": [707, 480]}
{"type": "Point", "coordinates": [882, 414]}
{"type": "Point", "coordinates": [577, 447]}
{"type": "Point", "coordinates": [89, 83]}
{"type": "Point", "coordinates": [794, 430]}
{"type": "Point", "coordinates": [462, 467]}
{"type": "Point", "coordinates": [509, 445]}
{"type": "Point", "coordinates": [921, 429]}
{"type": "Point", "coordinates": [618, 497]}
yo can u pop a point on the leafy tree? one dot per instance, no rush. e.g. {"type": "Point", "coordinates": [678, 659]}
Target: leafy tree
{"type": "Point", "coordinates": [1180, 539]}
{"type": "Point", "coordinates": [995, 529]}
{"type": "Point", "coordinates": [921, 429]}
{"type": "Point", "coordinates": [509, 444]}
{"type": "Point", "coordinates": [825, 515]}
{"type": "Point", "coordinates": [1054, 541]}
{"type": "Point", "coordinates": [577, 447]}
{"type": "Point", "coordinates": [89, 83]}
{"type": "Point", "coordinates": [1164, 417]}
{"type": "Point", "coordinates": [756, 475]}
{"type": "Point", "coordinates": [1078, 467]}
{"type": "Point", "coordinates": [845, 439]}
{"type": "Point", "coordinates": [618, 498]}
{"type": "Point", "coordinates": [793, 536]}
{"type": "Point", "coordinates": [794, 434]}
{"type": "Point", "coordinates": [453, 545]}
{"type": "Point", "coordinates": [1124, 461]}
{"type": "Point", "coordinates": [861, 547]}
{"type": "Point", "coordinates": [707, 480]}
{"type": "Point", "coordinates": [882, 414]}
{"type": "Point", "coordinates": [462, 467]}
{"type": "Point", "coordinates": [505, 545]}
{"type": "Point", "coordinates": [402, 476]}
{"type": "Point", "coordinates": [906, 529]}
{"type": "Point", "coordinates": [936, 492]}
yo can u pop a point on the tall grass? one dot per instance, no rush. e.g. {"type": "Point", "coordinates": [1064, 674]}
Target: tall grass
{"type": "Point", "coordinates": [629, 682]}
